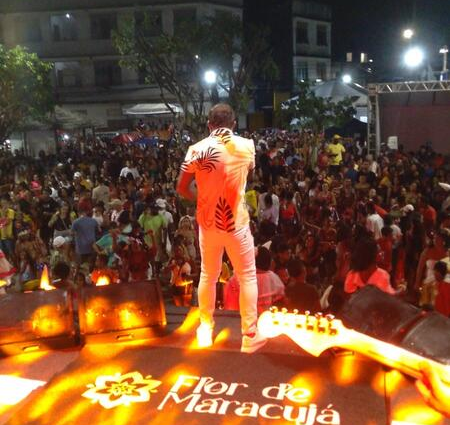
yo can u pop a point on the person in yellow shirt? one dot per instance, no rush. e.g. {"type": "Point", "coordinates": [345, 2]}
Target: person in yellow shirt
{"type": "Point", "coordinates": [335, 150]}
{"type": "Point", "coordinates": [6, 227]}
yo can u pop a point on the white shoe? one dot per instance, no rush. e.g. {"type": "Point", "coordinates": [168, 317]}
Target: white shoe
{"type": "Point", "coordinates": [204, 336]}
{"type": "Point", "coordinates": [250, 345]}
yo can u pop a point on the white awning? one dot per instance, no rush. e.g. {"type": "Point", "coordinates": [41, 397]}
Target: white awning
{"type": "Point", "coordinates": [152, 109]}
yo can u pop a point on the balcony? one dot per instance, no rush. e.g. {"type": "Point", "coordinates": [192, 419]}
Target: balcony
{"type": "Point", "coordinates": [311, 10]}
{"type": "Point", "coordinates": [72, 49]}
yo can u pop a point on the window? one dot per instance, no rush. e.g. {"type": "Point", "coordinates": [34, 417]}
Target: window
{"type": "Point", "coordinates": [322, 37]}
{"type": "Point", "coordinates": [68, 74]}
{"type": "Point", "coordinates": [64, 27]}
{"type": "Point", "coordinates": [150, 23]}
{"type": "Point", "coordinates": [302, 71]}
{"type": "Point", "coordinates": [321, 70]}
{"type": "Point", "coordinates": [102, 25]}
{"type": "Point", "coordinates": [28, 30]}
{"type": "Point", "coordinates": [182, 19]}
{"type": "Point", "coordinates": [107, 73]}
{"type": "Point", "coordinates": [302, 33]}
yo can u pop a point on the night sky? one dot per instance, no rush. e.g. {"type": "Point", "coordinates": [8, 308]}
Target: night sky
{"type": "Point", "coordinates": [375, 26]}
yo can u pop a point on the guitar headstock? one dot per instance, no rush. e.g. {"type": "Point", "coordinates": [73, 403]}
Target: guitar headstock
{"type": "Point", "coordinates": [314, 333]}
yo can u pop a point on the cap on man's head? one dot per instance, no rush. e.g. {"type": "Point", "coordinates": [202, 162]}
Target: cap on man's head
{"type": "Point", "coordinates": [161, 203]}
{"type": "Point", "coordinates": [59, 241]}
{"type": "Point", "coordinates": [337, 137]}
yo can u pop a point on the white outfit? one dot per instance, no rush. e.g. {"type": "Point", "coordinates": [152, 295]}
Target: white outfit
{"type": "Point", "coordinates": [275, 203]}
{"type": "Point", "coordinates": [221, 163]}
{"type": "Point", "coordinates": [374, 224]}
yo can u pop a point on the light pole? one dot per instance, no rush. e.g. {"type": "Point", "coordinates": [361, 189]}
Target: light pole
{"type": "Point", "coordinates": [444, 73]}
{"type": "Point", "coordinates": [210, 77]}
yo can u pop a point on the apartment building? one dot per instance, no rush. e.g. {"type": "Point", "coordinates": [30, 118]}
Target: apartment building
{"type": "Point", "coordinates": [76, 36]}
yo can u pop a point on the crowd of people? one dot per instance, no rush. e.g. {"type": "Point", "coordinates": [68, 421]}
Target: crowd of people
{"type": "Point", "coordinates": [327, 218]}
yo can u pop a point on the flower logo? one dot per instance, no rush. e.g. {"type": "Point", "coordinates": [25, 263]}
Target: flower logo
{"type": "Point", "coordinates": [116, 390]}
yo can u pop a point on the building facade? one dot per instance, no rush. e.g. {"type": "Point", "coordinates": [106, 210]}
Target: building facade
{"type": "Point", "coordinates": [76, 36]}
{"type": "Point", "coordinates": [311, 39]}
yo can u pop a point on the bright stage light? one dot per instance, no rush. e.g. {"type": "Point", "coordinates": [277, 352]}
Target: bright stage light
{"type": "Point", "coordinates": [210, 77]}
{"type": "Point", "coordinates": [413, 57]}
{"type": "Point", "coordinates": [347, 78]}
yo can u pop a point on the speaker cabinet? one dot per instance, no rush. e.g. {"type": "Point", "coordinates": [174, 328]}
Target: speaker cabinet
{"type": "Point", "coordinates": [388, 318]}
{"type": "Point", "coordinates": [380, 315]}
{"type": "Point", "coordinates": [121, 312]}
{"type": "Point", "coordinates": [430, 338]}
{"type": "Point", "coordinates": [38, 320]}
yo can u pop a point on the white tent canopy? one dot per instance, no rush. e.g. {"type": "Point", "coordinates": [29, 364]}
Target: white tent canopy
{"type": "Point", "coordinates": [152, 109]}
{"type": "Point", "coordinates": [337, 90]}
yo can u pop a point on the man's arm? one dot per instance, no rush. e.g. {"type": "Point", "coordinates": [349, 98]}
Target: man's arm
{"type": "Point", "coordinates": [184, 186]}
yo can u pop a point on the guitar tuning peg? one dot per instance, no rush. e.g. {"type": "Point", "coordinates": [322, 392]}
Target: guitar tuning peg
{"type": "Point", "coordinates": [308, 324]}
{"type": "Point", "coordinates": [295, 311]}
{"type": "Point", "coordinates": [284, 310]}
{"type": "Point", "coordinates": [331, 329]}
{"type": "Point", "coordinates": [320, 325]}
{"type": "Point", "coordinates": [273, 309]}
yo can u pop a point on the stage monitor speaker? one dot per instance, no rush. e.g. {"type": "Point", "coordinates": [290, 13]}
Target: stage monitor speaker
{"type": "Point", "coordinates": [121, 312]}
{"type": "Point", "coordinates": [380, 315]}
{"type": "Point", "coordinates": [430, 337]}
{"type": "Point", "coordinates": [38, 320]}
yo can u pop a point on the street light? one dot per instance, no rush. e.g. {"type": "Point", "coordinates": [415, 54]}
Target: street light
{"type": "Point", "coordinates": [210, 77]}
{"type": "Point", "coordinates": [413, 57]}
{"type": "Point", "coordinates": [444, 73]}
{"type": "Point", "coordinates": [347, 78]}
{"type": "Point", "coordinates": [408, 33]}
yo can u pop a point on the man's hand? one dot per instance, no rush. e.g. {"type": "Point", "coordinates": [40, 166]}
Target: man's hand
{"type": "Point", "coordinates": [435, 392]}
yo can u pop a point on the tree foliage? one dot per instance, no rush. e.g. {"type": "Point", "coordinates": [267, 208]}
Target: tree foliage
{"type": "Point", "coordinates": [25, 89]}
{"type": "Point", "coordinates": [317, 113]}
{"type": "Point", "coordinates": [176, 62]}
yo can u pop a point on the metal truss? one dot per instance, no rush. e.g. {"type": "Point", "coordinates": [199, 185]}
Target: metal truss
{"type": "Point", "coordinates": [373, 106]}
{"type": "Point", "coordinates": [410, 87]}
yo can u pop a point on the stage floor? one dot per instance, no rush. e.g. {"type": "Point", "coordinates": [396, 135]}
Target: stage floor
{"type": "Point", "coordinates": [169, 381]}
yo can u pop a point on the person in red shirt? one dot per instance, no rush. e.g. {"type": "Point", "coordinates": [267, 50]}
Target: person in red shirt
{"type": "Point", "coordinates": [442, 302]}
{"type": "Point", "coordinates": [384, 259]}
{"type": "Point", "coordinates": [364, 270]}
{"type": "Point", "coordinates": [428, 213]}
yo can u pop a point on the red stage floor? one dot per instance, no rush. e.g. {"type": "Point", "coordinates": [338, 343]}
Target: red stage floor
{"type": "Point", "coordinates": [169, 381]}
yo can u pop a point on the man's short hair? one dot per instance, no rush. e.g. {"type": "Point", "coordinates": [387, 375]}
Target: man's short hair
{"type": "Point", "coordinates": [221, 115]}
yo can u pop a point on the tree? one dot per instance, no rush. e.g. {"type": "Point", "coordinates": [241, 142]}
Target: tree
{"type": "Point", "coordinates": [316, 113]}
{"type": "Point", "coordinates": [25, 89]}
{"type": "Point", "coordinates": [176, 62]}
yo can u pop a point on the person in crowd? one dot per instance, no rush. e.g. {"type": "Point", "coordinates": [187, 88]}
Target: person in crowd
{"type": "Point", "coordinates": [364, 270]}
{"type": "Point", "coordinates": [186, 230]}
{"type": "Point", "coordinates": [85, 230]}
{"type": "Point", "coordinates": [59, 252]}
{"type": "Point", "coordinates": [300, 295]}
{"type": "Point", "coordinates": [153, 224]}
{"type": "Point", "coordinates": [7, 215]}
{"type": "Point", "coordinates": [442, 279]}
{"type": "Point", "coordinates": [102, 270]}
{"type": "Point", "coordinates": [425, 279]}
{"type": "Point", "coordinates": [271, 289]}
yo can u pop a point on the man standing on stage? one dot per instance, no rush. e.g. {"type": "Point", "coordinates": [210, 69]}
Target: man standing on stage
{"type": "Point", "coordinates": [220, 165]}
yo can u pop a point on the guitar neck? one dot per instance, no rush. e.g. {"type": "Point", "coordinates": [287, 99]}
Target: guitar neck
{"type": "Point", "coordinates": [393, 356]}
